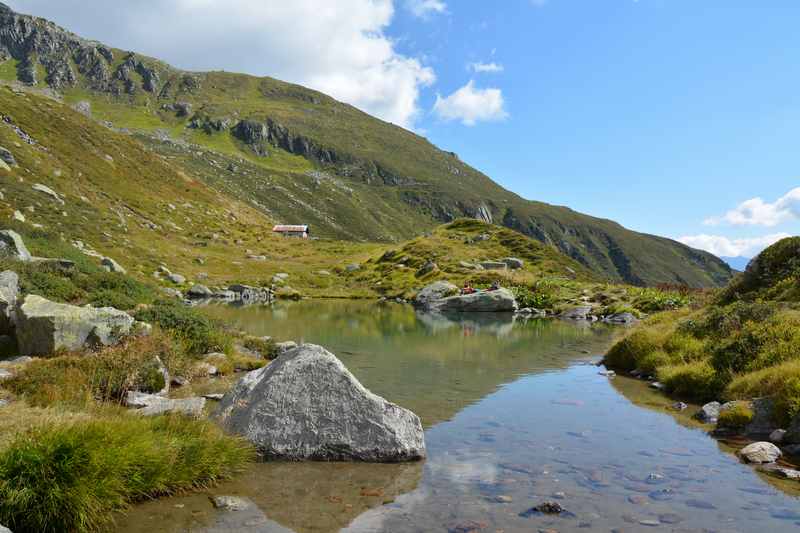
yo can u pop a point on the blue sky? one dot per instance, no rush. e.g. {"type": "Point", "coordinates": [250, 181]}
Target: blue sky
{"type": "Point", "coordinates": [671, 117]}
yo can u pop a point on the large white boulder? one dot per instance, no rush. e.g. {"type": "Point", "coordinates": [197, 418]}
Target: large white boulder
{"type": "Point", "coordinates": [307, 405]}
{"type": "Point", "coordinates": [496, 301]}
{"type": "Point", "coordinates": [435, 291]}
{"type": "Point", "coordinates": [43, 327]}
{"type": "Point", "coordinates": [760, 452]}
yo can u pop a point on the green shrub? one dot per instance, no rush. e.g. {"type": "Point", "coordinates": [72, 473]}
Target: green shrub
{"type": "Point", "coordinates": [651, 362]}
{"type": "Point", "coordinates": [685, 348]}
{"type": "Point", "coordinates": [73, 476]}
{"type": "Point", "coordinates": [105, 298]}
{"type": "Point", "coordinates": [696, 381]}
{"type": "Point", "coordinates": [757, 345]}
{"type": "Point", "coordinates": [198, 333]}
{"type": "Point", "coordinates": [736, 417]}
{"type": "Point", "coordinates": [626, 354]}
{"type": "Point", "coordinates": [538, 297]}
{"type": "Point", "coordinates": [265, 347]}
{"type": "Point", "coordinates": [781, 382]}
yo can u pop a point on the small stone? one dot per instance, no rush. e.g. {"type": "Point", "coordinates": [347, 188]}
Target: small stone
{"type": "Point", "coordinates": [760, 452]}
{"type": "Point", "coordinates": [777, 436]}
{"type": "Point", "coordinates": [679, 406]}
{"type": "Point", "coordinates": [231, 503]}
{"type": "Point", "coordinates": [650, 523]}
{"type": "Point", "coordinates": [503, 499]}
{"type": "Point", "coordinates": [656, 385]}
{"type": "Point", "coordinates": [669, 518]}
{"type": "Point", "coordinates": [214, 396]}
{"type": "Point", "coordinates": [709, 413]}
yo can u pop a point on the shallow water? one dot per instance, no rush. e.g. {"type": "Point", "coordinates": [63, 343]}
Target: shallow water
{"type": "Point", "coordinates": [514, 416]}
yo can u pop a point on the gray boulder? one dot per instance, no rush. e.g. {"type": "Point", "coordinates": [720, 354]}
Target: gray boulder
{"type": "Point", "coordinates": [7, 157]}
{"type": "Point", "coordinates": [11, 245]}
{"type": "Point", "coordinates": [44, 189]}
{"type": "Point", "coordinates": [112, 266]}
{"type": "Point", "coordinates": [621, 318]}
{"type": "Point", "coordinates": [761, 425]}
{"type": "Point", "coordinates": [199, 292]}
{"type": "Point", "coordinates": [9, 291]}
{"type": "Point", "coordinates": [513, 263]}
{"type": "Point", "coordinates": [760, 452]}
{"type": "Point", "coordinates": [776, 437]}
{"type": "Point", "coordinates": [792, 435]}
{"type": "Point", "coordinates": [427, 268]}
{"type": "Point", "coordinates": [307, 405]}
{"type": "Point", "coordinates": [151, 404]}
{"type": "Point", "coordinates": [176, 278]}
{"type": "Point", "coordinates": [435, 291]}
{"type": "Point", "coordinates": [709, 413]}
{"type": "Point", "coordinates": [494, 265]}
{"type": "Point", "coordinates": [43, 326]}
{"type": "Point", "coordinates": [577, 313]}
{"type": "Point", "coordinates": [497, 301]}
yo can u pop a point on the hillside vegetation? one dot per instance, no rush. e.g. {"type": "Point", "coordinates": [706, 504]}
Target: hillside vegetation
{"type": "Point", "coordinates": [744, 344]}
{"type": "Point", "coordinates": [299, 156]}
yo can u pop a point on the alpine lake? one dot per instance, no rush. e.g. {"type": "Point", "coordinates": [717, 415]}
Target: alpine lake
{"type": "Point", "coordinates": [516, 413]}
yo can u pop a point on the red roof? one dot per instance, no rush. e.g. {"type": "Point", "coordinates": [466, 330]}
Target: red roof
{"type": "Point", "coordinates": [289, 227]}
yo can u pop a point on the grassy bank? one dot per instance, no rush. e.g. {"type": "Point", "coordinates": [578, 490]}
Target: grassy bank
{"type": "Point", "coordinates": [744, 344]}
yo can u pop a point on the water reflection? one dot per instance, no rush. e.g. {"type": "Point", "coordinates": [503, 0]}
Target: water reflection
{"type": "Point", "coordinates": [512, 419]}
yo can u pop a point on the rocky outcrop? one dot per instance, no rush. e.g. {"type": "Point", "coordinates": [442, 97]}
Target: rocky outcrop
{"type": "Point", "coordinates": [307, 405]}
{"type": "Point", "coordinates": [513, 263]}
{"type": "Point", "coordinates": [12, 245]}
{"type": "Point", "coordinates": [9, 291]}
{"type": "Point", "coordinates": [497, 301]}
{"type": "Point", "coordinates": [199, 292]}
{"type": "Point", "coordinates": [151, 404]}
{"type": "Point", "coordinates": [42, 326]}
{"type": "Point", "coordinates": [112, 266]}
{"type": "Point", "coordinates": [435, 291]}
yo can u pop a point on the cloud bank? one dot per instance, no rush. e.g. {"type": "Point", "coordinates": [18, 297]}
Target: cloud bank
{"type": "Point", "coordinates": [338, 47]}
{"type": "Point", "coordinates": [723, 246]}
{"type": "Point", "coordinates": [471, 105]}
{"type": "Point", "coordinates": [757, 212]}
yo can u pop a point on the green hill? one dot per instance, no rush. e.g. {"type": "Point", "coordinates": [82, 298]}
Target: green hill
{"type": "Point", "coordinates": [297, 155]}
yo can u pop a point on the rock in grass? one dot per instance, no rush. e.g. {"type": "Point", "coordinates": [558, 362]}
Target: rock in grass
{"type": "Point", "coordinates": [231, 503]}
{"type": "Point", "coordinates": [709, 413]}
{"type": "Point", "coordinates": [307, 405]}
{"type": "Point", "coordinates": [112, 266]}
{"type": "Point", "coordinates": [42, 326]}
{"type": "Point", "coordinates": [760, 452]}
{"type": "Point", "coordinates": [12, 245]}
{"type": "Point", "coordinates": [7, 157]}
{"type": "Point", "coordinates": [199, 292]}
{"type": "Point", "coordinates": [151, 404]}
{"type": "Point", "coordinates": [44, 189]}
{"type": "Point", "coordinates": [176, 278]}
{"type": "Point", "coordinates": [513, 263]}
{"type": "Point", "coordinates": [9, 291]}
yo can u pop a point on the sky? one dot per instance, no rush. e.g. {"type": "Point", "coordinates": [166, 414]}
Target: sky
{"type": "Point", "coordinates": [674, 117]}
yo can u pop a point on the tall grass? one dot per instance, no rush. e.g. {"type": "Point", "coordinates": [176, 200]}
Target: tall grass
{"type": "Point", "coordinates": [71, 477]}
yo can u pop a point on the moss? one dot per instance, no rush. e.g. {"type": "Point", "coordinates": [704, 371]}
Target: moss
{"type": "Point", "coordinates": [735, 417]}
{"type": "Point", "coordinates": [73, 476]}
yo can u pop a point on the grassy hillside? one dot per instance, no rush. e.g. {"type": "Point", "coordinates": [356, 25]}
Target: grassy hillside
{"type": "Point", "coordinates": [298, 155]}
{"type": "Point", "coordinates": [744, 344]}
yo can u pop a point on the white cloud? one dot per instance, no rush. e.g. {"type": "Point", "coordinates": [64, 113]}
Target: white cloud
{"type": "Point", "coordinates": [723, 246]}
{"type": "Point", "coordinates": [425, 8]}
{"type": "Point", "coordinates": [471, 105]}
{"type": "Point", "coordinates": [338, 47]}
{"type": "Point", "coordinates": [757, 212]}
{"type": "Point", "coordinates": [486, 67]}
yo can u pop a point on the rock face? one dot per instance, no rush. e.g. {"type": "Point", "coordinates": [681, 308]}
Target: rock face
{"type": "Point", "coordinates": [760, 452]}
{"type": "Point", "coordinates": [43, 326]}
{"type": "Point", "coordinates": [435, 291]}
{"type": "Point", "coordinates": [11, 245]}
{"type": "Point", "coordinates": [307, 405]}
{"type": "Point", "coordinates": [497, 301]}
{"type": "Point", "coordinates": [9, 290]}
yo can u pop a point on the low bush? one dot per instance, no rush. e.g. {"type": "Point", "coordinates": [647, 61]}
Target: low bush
{"type": "Point", "coordinates": [694, 381]}
{"type": "Point", "coordinates": [198, 333]}
{"type": "Point", "coordinates": [627, 353]}
{"type": "Point", "coordinates": [73, 476]}
{"type": "Point", "coordinates": [782, 382]}
{"type": "Point", "coordinates": [78, 380]}
{"type": "Point", "coordinates": [736, 417]}
{"type": "Point", "coordinates": [265, 347]}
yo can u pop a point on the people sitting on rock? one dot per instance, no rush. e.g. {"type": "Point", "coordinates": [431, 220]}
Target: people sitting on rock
{"type": "Point", "coordinates": [467, 288]}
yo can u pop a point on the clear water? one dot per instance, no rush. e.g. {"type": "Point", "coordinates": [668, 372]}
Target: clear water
{"type": "Point", "coordinates": [515, 414]}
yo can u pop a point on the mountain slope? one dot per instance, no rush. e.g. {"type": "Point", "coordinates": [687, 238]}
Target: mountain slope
{"type": "Point", "coordinates": [300, 156]}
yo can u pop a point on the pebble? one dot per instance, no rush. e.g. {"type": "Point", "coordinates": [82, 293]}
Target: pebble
{"type": "Point", "coordinates": [650, 523]}
{"type": "Point", "coordinates": [637, 499]}
{"type": "Point", "coordinates": [503, 499]}
{"type": "Point", "coordinates": [669, 518]}
{"type": "Point", "coordinates": [700, 504]}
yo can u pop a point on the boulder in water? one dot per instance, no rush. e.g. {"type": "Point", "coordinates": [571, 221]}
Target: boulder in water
{"type": "Point", "coordinates": [496, 301]}
{"type": "Point", "coordinates": [307, 405]}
